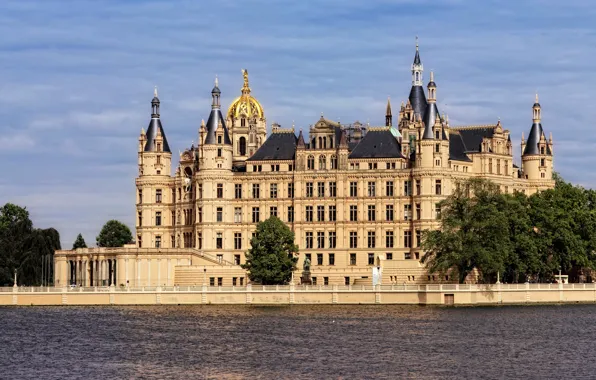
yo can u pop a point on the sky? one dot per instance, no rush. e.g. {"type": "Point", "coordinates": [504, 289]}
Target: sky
{"type": "Point", "coordinates": [77, 78]}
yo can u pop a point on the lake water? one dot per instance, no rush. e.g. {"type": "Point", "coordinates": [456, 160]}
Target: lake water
{"type": "Point", "coordinates": [298, 342]}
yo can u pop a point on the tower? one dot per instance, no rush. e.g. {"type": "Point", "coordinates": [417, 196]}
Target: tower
{"type": "Point", "coordinates": [537, 151]}
{"type": "Point", "coordinates": [388, 116]}
{"type": "Point", "coordinates": [216, 150]}
{"type": "Point", "coordinates": [248, 126]}
{"type": "Point", "coordinates": [417, 97]}
{"type": "Point", "coordinates": [432, 129]}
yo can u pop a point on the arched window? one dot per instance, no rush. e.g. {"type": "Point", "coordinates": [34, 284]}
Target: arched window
{"type": "Point", "coordinates": [310, 162]}
{"type": "Point", "coordinates": [314, 143]}
{"type": "Point", "coordinates": [330, 142]}
{"type": "Point", "coordinates": [418, 77]}
{"type": "Point", "coordinates": [333, 162]}
{"type": "Point", "coordinates": [324, 142]}
{"type": "Point", "coordinates": [320, 143]}
{"type": "Point", "coordinates": [242, 146]}
{"type": "Point", "coordinates": [322, 162]}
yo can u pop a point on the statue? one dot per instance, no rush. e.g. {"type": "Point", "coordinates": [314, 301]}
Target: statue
{"type": "Point", "coordinates": [306, 266]}
{"type": "Point", "coordinates": [305, 278]}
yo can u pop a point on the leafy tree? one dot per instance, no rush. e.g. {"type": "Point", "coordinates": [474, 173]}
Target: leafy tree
{"type": "Point", "coordinates": [79, 242]}
{"type": "Point", "coordinates": [270, 260]}
{"type": "Point", "coordinates": [114, 234]}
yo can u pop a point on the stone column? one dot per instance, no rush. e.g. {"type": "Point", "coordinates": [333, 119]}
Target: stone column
{"type": "Point", "coordinates": [115, 267]}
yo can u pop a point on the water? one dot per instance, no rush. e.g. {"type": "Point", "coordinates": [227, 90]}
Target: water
{"type": "Point", "coordinates": [298, 342]}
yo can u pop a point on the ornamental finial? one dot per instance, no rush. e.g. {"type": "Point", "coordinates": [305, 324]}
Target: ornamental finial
{"type": "Point", "coordinates": [216, 81]}
{"type": "Point", "coordinates": [416, 42]}
{"type": "Point", "coordinates": [155, 91]}
{"type": "Point", "coordinates": [536, 96]}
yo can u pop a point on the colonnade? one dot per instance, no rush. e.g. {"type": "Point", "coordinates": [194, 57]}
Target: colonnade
{"type": "Point", "coordinates": [92, 272]}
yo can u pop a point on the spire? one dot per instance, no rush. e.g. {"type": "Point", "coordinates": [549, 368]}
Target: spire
{"type": "Point", "coordinates": [536, 132]}
{"type": "Point", "coordinates": [388, 116]}
{"type": "Point", "coordinates": [431, 113]}
{"type": "Point", "coordinates": [432, 89]}
{"type": "Point", "coordinates": [417, 67]}
{"type": "Point", "coordinates": [417, 97]}
{"type": "Point", "coordinates": [300, 144]}
{"type": "Point", "coordinates": [155, 128]}
{"type": "Point", "coordinates": [216, 119]}
{"type": "Point", "coordinates": [155, 104]}
{"type": "Point", "coordinates": [245, 87]}
{"type": "Point", "coordinates": [215, 95]}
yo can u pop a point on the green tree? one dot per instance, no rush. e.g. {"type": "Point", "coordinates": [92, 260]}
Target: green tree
{"type": "Point", "coordinates": [270, 260]}
{"type": "Point", "coordinates": [79, 242]}
{"type": "Point", "coordinates": [114, 234]}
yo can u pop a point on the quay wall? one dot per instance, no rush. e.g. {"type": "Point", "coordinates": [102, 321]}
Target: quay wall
{"type": "Point", "coordinates": [440, 294]}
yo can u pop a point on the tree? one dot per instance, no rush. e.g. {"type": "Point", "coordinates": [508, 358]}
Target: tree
{"type": "Point", "coordinates": [270, 260]}
{"type": "Point", "coordinates": [114, 234]}
{"type": "Point", "coordinates": [79, 242]}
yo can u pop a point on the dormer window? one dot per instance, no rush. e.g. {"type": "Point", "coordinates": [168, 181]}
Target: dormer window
{"type": "Point", "coordinates": [219, 139]}
{"type": "Point", "coordinates": [541, 150]}
{"type": "Point", "coordinates": [158, 147]}
{"type": "Point", "coordinates": [437, 135]}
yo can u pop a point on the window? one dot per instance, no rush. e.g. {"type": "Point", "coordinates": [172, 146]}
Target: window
{"type": "Point", "coordinates": [220, 279]}
{"type": "Point", "coordinates": [173, 217]}
{"type": "Point", "coordinates": [219, 150]}
{"type": "Point", "coordinates": [352, 259]}
{"type": "Point", "coordinates": [158, 145]}
{"type": "Point", "coordinates": [389, 239]}
{"type": "Point", "coordinates": [389, 212]}
{"type": "Point", "coordinates": [290, 214]}
{"type": "Point", "coordinates": [290, 190]}
{"type": "Point", "coordinates": [141, 196]}
{"type": "Point", "coordinates": [256, 191]}
{"type": "Point", "coordinates": [290, 167]}
{"type": "Point", "coordinates": [371, 189]}
{"type": "Point", "coordinates": [273, 211]}
{"type": "Point", "coordinates": [353, 213]}
{"type": "Point", "coordinates": [172, 241]}
{"type": "Point", "coordinates": [314, 280]}
{"type": "Point", "coordinates": [407, 239]}
{"type": "Point", "coordinates": [353, 239]}
{"type": "Point", "coordinates": [158, 160]}
{"type": "Point", "coordinates": [255, 215]}
{"type": "Point", "coordinates": [498, 166]}
{"type": "Point", "coordinates": [542, 162]}
{"type": "Point", "coordinates": [273, 190]}
{"type": "Point", "coordinates": [158, 196]}
{"type": "Point", "coordinates": [407, 212]}
{"type": "Point", "coordinates": [418, 187]}
{"type": "Point", "coordinates": [437, 211]}
{"type": "Point", "coordinates": [139, 240]}
{"type": "Point", "coordinates": [242, 144]}
{"type": "Point", "coordinates": [211, 281]}
{"type": "Point", "coordinates": [275, 168]}
{"type": "Point", "coordinates": [157, 241]}
{"type": "Point", "coordinates": [237, 241]}
{"type": "Point", "coordinates": [220, 190]}
{"type": "Point", "coordinates": [220, 214]}
{"type": "Point", "coordinates": [319, 259]}
{"type": "Point", "coordinates": [389, 256]}
{"type": "Point", "coordinates": [320, 239]}
{"type": "Point", "coordinates": [372, 166]}
{"type": "Point", "coordinates": [371, 259]}
{"type": "Point", "coordinates": [200, 191]}
{"type": "Point", "coordinates": [371, 213]}
{"type": "Point", "coordinates": [408, 187]}
{"type": "Point", "coordinates": [333, 162]}
{"type": "Point", "coordinates": [322, 163]}
{"type": "Point", "coordinates": [310, 163]}
{"type": "Point", "coordinates": [308, 214]}
{"type": "Point", "coordinates": [418, 211]}
{"type": "Point", "coordinates": [309, 189]}
{"type": "Point", "coordinates": [200, 240]}
{"type": "Point", "coordinates": [418, 238]}
{"type": "Point", "coordinates": [158, 218]}
{"type": "Point", "coordinates": [372, 239]}
{"type": "Point", "coordinates": [321, 213]}
{"type": "Point", "coordinates": [438, 187]}
{"type": "Point", "coordinates": [219, 240]}
{"type": "Point", "coordinates": [321, 189]}
{"type": "Point", "coordinates": [389, 188]}
{"type": "Point", "coordinates": [332, 239]}
{"type": "Point", "coordinates": [437, 146]}
{"type": "Point", "coordinates": [332, 189]}
{"type": "Point", "coordinates": [234, 280]}
{"type": "Point", "coordinates": [325, 281]}
{"type": "Point", "coordinates": [332, 259]}
{"type": "Point", "coordinates": [309, 240]}
{"type": "Point", "coordinates": [346, 280]}
{"type": "Point", "coordinates": [237, 215]}
{"type": "Point", "coordinates": [241, 281]}
{"type": "Point", "coordinates": [353, 189]}
{"type": "Point", "coordinates": [332, 213]}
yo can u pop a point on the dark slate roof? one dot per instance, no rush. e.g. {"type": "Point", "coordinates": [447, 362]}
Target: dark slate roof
{"type": "Point", "coordinates": [377, 144]}
{"type": "Point", "coordinates": [418, 100]}
{"type": "Point", "coordinates": [417, 57]}
{"type": "Point", "coordinates": [214, 118]}
{"type": "Point", "coordinates": [457, 148]}
{"type": "Point", "coordinates": [154, 126]}
{"type": "Point", "coordinates": [352, 145]}
{"type": "Point", "coordinates": [278, 146]}
{"type": "Point", "coordinates": [430, 116]}
{"type": "Point", "coordinates": [473, 137]}
{"type": "Point", "coordinates": [532, 144]}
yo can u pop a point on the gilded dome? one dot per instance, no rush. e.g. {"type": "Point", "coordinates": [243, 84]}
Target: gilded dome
{"type": "Point", "coordinates": [245, 105]}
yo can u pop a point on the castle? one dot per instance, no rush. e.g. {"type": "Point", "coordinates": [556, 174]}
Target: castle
{"type": "Point", "coordinates": [357, 197]}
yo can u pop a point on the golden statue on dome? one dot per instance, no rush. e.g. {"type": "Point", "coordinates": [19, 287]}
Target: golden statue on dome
{"type": "Point", "coordinates": [245, 106]}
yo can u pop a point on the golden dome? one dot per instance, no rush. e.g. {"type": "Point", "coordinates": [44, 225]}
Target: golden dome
{"type": "Point", "coordinates": [245, 105]}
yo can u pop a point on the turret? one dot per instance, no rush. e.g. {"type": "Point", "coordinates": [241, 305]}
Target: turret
{"type": "Point", "coordinates": [155, 156]}
{"type": "Point", "coordinates": [537, 157]}
{"type": "Point", "coordinates": [217, 146]}
{"type": "Point", "coordinates": [417, 97]}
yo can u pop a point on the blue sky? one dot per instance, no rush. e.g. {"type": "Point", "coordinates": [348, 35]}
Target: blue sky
{"type": "Point", "coordinates": [77, 77]}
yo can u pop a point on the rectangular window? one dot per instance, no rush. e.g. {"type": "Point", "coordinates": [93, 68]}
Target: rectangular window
{"type": "Point", "coordinates": [273, 211]}
{"type": "Point", "coordinates": [172, 241]}
{"type": "Point", "coordinates": [219, 281]}
{"type": "Point", "coordinates": [234, 280]}
{"type": "Point", "coordinates": [389, 239]}
{"type": "Point", "coordinates": [418, 187]}
{"type": "Point", "coordinates": [290, 190]}
{"type": "Point", "coordinates": [319, 259]}
{"type": "Point", "coordinates": [389, 256]}
{"type": "Point", "coordinates": [332, 259]}
{"type": "Point", "coordinates": [407, 239]}
{"type": "Point", "coordinates": [332, 239]}
{"type": "Point", "coordinates": [321, 240]}
{"type": "Point", "coordinates": [438, 187]}
{"type": "Point", "coordinates": [219, 240]}
{"type": "Point", "coordinates": [237, 240]}
{"type": "Point", "coordinates": [325, 281]}
{"type": "Point", "coordinates": [371, 213]}
{"type": "Point", "coordinates": [321, 189]}
{"type": "Point", "coordinates": [371, 259]}
{"type": "Point", "coordinates": [437, 146]}
{"type": "Point", "coordinates": [273, 190]}
{"type": "Point", "coordinates": [407, 212]}
{"type": "Point", "coordinates": [389, 189]}
{"type": "Point", "coordinates": [220, 190]}
{"type": "Point", "coordinates": [353, 239]}
{"type": "Point", "coordinates": [290, 214]}
{"type": "Point", "coordinates": [173, 217]}
{"type": "Point", "coordinates": [314, 280]}
{"type": "Point", "coordinates": [332, 214]}
{"type": "Point", "coordinates": [353, 213]}
{"type": "Point", "coordinates": [158, 218]}
{"type": "Point", "coordinates": [332, 189]}
{"type": "Point", "coordinates": [389, 212]}
{"type": "Point", "coordinates": [256, 190]}
{"type": "Point", "coordinates": [241, 281]}
{"type": "Point", "coordinates": [372, 189]}
{"type": "Point", "coordinates": [352, 259]}
{"type": "Point", "coordinates": [211, 281]}
{"type": "Point", "coordinates": [490, 165]}
{"type": "Point", "coordinates": [408, 188]}
{"type": "Point", "coordinates": [236, 262]}
{"type": "Point", "coordinates": [308, 213]}
{"type": "Point", "coordinates": [200, 191]}
{"type": "Point", "coordinates": [255, 215]}
{"type": "Point", "coordinates": [157, 241]}
{"type": "Point", "coordinates": [238, 191]}
{"type": "Point", "coordinates": [353, 189]}
{"type": "Point", "coordinates": [200, 240]}
{"type": "Point", "coordinates": [321, 213]}
{"type": "Point", "coordinates": [237, 215]}
{"type": "Point", "coordinates": [309, 240]}
{"type": "Point", "coordinates": [418, 211]}
{"type": "Point", "coordinates": [372, 239]}
{"type": "Point", "coordinates": [346, 280]}
{"type": "Point", "coordinates": [220, 214]}
{"type": "Point", "coordinates": [438, 211]}
{"type": "Point", "coordinates": [158, 160]}
{"type": "Point", "coordinates": [418, 238]}
{"type": "Point", "coordinates": [158, 196]}
{"type": "Point", "coordinates": [309, 189]}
